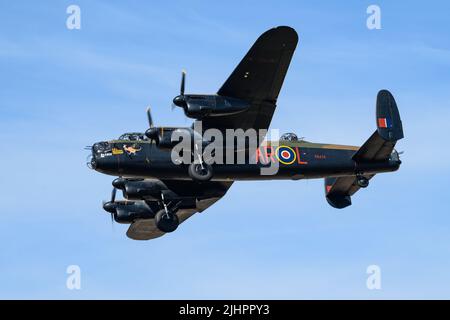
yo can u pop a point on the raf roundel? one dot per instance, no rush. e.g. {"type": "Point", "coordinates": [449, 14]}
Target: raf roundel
{"type": "Point", "coordinates": [286, 155]}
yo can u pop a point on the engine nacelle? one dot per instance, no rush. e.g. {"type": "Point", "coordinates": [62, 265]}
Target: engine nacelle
{"type": "Point", "coordinates": [168, 137]}
{"type": "Point", "coordinates": [143, 189]}
{"type": "Point", "coordinates": [200, 106]}
{"type": "Point", "coordinates": [127, 212]}
{"type": "Point", "coordinates": [163, 136]}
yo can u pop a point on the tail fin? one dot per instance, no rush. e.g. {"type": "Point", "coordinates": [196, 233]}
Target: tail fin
{"type": "Point", "coordinates": [389, 130]}
{"type": "Point", "coordinates": [378, 148]}
{"type": "Point", "coordinates": [389, 123]}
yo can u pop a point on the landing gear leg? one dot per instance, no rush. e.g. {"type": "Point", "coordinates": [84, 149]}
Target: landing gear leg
{"type": "Point", "coordinates": [200, 171]}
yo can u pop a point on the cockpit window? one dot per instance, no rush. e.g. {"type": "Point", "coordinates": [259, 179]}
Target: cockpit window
{"type": "Point", "coordinates": [133, 136]}
{"type": "Point", "coordinates": [289, 137]}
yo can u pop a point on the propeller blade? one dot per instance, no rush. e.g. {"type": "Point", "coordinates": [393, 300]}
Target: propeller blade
{"type": "Point", "coordinates": [113, 195]}
{"type": "Point", "coordinates": [183, 80]}
{"type": "Point", "coordinates": [149, 116]}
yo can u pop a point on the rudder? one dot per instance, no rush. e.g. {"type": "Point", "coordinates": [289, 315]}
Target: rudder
{"type": "Point", "coordinates": [389, 123]}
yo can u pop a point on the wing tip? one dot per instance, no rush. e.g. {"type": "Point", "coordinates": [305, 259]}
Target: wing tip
{"type": "Point", "coordinates": [144, 229]}
{"type": "Point", "coordinates": [385, 93]}
{"type": "Point", "coordinates": [284, 33]}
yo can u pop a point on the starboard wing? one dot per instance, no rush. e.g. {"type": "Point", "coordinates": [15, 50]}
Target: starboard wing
{"type": "Point", "coordinates": [258, 79]}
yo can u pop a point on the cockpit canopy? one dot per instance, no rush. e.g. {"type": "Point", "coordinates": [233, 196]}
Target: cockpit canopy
{"type": "Point", "coordinates": [133, 136]}
{"type": "Point", "coordinates": [289, 137]}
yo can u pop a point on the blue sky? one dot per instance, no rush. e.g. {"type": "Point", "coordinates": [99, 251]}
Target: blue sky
{"type": "Point", "coordinates": [65, 89]}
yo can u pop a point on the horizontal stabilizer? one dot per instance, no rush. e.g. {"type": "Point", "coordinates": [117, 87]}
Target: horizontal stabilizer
{"type": "Point", "coordinates": [338, 191]}
{"type": "Point", "coordinates": [374, 149]}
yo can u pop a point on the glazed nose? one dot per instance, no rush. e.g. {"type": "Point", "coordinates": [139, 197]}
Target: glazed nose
{"type": "Point", "coordinates": [93, 162]}
{"type": "Point", "coordinates": [101, 147]}
{"type": "Point", "coordinates": [96, 160]}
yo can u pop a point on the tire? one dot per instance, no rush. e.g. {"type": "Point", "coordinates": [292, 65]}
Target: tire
{"type": "Point", "coordinates": [166, 222]}
{"type": "Point", "coordinates": [362, 182]}
{"type": "Point", "coordinates": [198, 174]}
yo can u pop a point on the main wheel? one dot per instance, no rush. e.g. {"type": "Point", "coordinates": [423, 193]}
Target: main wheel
{"type": "Point", "coordinates": [363, 182]}
{"type": "Point", "coordinates": [166, 222]}
{"type": "Point", "coordinates": [200, 172]}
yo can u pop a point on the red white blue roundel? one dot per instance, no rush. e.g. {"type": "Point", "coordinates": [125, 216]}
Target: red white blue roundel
{"type": "Point", "coordinates": [286, 155]}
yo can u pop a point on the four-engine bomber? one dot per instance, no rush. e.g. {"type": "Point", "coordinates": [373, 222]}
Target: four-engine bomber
{"type": "Point", "coordinates": [161, 191]}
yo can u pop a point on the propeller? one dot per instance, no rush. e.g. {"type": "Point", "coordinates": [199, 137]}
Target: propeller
{"type": "Point", "coordinates": [113, 199]}
{"type": "Point", "coordinates": [152, 132]}
{"type": "Point", "coordinates": [180, 100]}
{"type": "Point", "coordinates": [183, 81]}
{"type": "Point", "coordinates": [150, 119]}
{"type": "Point", "coordinates": [113, 195]}
{"type": "Point", "coordinates": [111, 206]}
